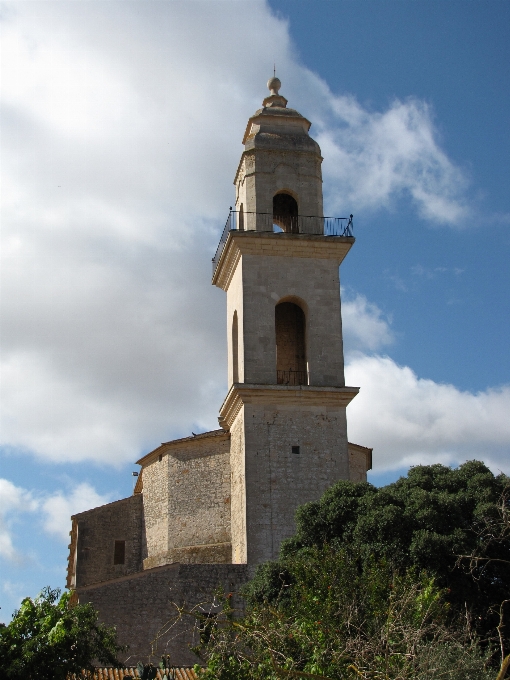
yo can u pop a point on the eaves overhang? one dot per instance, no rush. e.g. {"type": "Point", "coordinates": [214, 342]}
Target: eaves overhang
{"type": "Point", "coordinates": [282, 395]}
{"type": "Point", "coordinates": [314, 246]}
{"type": "Point", "coordinates": [168, 446]}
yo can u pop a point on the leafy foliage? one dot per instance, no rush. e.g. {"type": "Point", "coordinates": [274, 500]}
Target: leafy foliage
{"type": "Point", "coordinates": [423, 521]}
{"type": "Point", "coordinates": [148, 671]}
{"type": "Point", "coordinates": [336, 620]}
{"type": "Point", "coordinates": [49, 639]}
{"type": "Point", "coordinates": [406, 581]}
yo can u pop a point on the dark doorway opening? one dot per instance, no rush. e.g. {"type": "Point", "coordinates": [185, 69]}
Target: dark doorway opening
{"type": "Point", "coordinates": [290, 345]}
{"type": "Point", "coordinates": [285, 213]}
{"type": "Point", "coordinates": [119, 552]}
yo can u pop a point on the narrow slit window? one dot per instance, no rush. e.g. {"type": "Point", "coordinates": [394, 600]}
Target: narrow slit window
{"type": "Point", "coordinates": [119, 552]}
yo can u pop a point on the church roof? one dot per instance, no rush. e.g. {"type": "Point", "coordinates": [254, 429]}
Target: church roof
{"type": "Point", "coordinates": [178, 442]}
{"type": "Point", "coordinates": [132, 672]}
{"type": "Point", "coordinates": [276, 114]}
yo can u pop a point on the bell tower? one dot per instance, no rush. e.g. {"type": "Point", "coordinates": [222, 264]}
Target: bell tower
{"type": "Point", "coordinates": [278, 261]}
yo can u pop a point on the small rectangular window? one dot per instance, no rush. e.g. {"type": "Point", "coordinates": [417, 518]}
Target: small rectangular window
{"type": "Point", "coordinates": [295, 449]}
{"type": "Point", "coordinates": [119, 553]}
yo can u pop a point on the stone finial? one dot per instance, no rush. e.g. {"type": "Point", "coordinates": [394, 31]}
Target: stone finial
{"type": "Point", "coordinates": [274, 98]}
{"type": "Point", "coordinates": [273, 85]}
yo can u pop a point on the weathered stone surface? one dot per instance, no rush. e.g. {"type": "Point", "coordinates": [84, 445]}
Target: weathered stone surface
{"type": "Point", "coordinates": [97, 531]}
{"type": "Point", "coordinates": [186, 499]}
{"type": "Point", "coordinates": [209, 508]}
{"type": "Point", "coordinates": [144, 610]}
{"type": "Point", "coordinates": [276, 479]}
{"type": "Point", "coordinates": [360, 460]}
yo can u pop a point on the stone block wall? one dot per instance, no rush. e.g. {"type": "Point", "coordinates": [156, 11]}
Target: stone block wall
{"type": "Point", "coordinates": [235, 304]}
{"type": "Point", "coordinates": [143, 607]}
{"type": "Point", "coordinates": [96, 533]}
{"type": "Point", "coordinates": [360, 461]}
{"type": "Point", "coordinates": [187, 501]}
{"type": "Point", "coordinates": [276, 479]}
{"type": "Point", "coordinates": [315, 286]}
{"type": "Point", "coordinates": [238, 486]}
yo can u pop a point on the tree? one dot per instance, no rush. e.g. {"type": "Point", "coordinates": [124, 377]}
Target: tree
{"type": "Point", "coordinates": [49, 639]}
{"type": "Point", "coordinates": [405, 581]}
{"type": "Point", "coordinates": [423, 521]}
{"type": "Point", "coordinates": [332, 620]}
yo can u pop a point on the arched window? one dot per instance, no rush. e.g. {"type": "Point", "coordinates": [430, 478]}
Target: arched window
{"type": "Point", "coordinates": [235, 350]}
{"type": "Point", "coordinates": [285, 213]}
{"type": "Point", "coordinates": [241, 218]}
{"type": "Point", "coordinates": [290, 345]}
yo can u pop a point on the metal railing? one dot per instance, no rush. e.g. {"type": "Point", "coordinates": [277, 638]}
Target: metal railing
{"type": "Point", "coordinates": [296, 224]}
{"type": "Point", "coordinates": [291, 377]}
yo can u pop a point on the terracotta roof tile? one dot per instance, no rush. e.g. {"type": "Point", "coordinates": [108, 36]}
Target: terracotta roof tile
{"type": "Point", "coordinates": [132, 672]}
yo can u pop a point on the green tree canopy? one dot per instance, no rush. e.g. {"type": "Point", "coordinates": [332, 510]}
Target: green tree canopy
{"type": "Point", "coordinates": [49, 639]}
{"type": "Point", "coordinates": [422, 521]}
{"type": "Point", "coordinates": [331, 620]}
{"type": "Point", "coordinates": [374, 585]}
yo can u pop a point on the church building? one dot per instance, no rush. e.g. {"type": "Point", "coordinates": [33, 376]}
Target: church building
{"type": "Point", "coordinates": [207, 509]}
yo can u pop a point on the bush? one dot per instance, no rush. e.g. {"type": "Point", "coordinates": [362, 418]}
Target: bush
{"type": "Point", "coordinates": [338, 616]}
{"type": "Point", "coordinates": [48, 639]}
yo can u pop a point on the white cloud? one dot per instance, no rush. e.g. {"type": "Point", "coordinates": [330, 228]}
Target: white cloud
{"type": "Point", "coordinates": [59, 508]}
{"type": "Point", "coordinates": [122, 125]}
{"type": "Point", "coordinates": [363, 324]}
{"type": "Point", "coordinates": [410, 420]}
{"type": "Point", "coordinates": [379, 156]}
{"type": "Point", "coordinates": [13, 501]}
{"type": "Point", "coordinates": [54, 512]}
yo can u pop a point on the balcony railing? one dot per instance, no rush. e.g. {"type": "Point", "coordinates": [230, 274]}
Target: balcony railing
{"type": "Point", "coordinates": [291, 377]}
{"type": "Point", "coordinates": [267, 222]}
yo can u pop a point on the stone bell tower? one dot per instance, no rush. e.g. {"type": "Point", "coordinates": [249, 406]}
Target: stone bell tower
{"type": "Point", "coordinates": [278, 261]}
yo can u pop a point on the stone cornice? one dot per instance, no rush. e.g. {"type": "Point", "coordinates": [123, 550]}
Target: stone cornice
{"type": "Point", "coordinates": [313, 246]}
{"type": "Point", "coordinates": [282, 395]}
{"type": "Point", "coordinates": [195, 440]}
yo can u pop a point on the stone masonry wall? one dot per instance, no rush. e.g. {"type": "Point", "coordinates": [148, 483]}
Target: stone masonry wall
{"type": "Point", "coordinates": [143, 606]}
{"type": "Point", "coordinates": [235, 304]}
{"type": "Point", "coordinates": [278, 481]}
{"type": "Point", "coordinates": [264, 173]}
{"type": "Point", "coordinates": [98, 529]}
{"type": "Point", "coordinates": [189, 520]}
{"type": "Point", "coordinates": [360, 460]}
{"type": "Point", "coordinates": [311, 282]}
{"type": "Point", "coordinates": [237, 466]}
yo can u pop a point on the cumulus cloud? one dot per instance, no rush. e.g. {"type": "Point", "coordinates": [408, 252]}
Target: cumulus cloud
{"type": "Point", "coordinates": [13, 501]}
{"type": "Point", "coordinates": [379, 156]}
{"type": "Point", "coordinates": [54, 512]}
{"type": "Point", "coordinates": [410, 420]}
{"type": "Point", "coordinates": [59, 508]}
{"type": "Point", "coordinates": [121, 126]}
{"type": "Point", "coordinates": [363, 323]}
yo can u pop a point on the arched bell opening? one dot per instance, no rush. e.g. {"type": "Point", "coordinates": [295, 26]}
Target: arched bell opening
{"type": "Point", "coordinates": [290, 327]}
{"type": "Point", "coordinates": [235, 349]}
{"type": "Point", "coordinates": [285, 213]}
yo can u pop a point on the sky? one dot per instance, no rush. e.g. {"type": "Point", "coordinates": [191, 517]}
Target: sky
{"type": "Point", "coordinates": [121, 132]}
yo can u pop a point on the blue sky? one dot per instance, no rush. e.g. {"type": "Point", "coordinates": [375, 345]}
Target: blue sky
{"type": "Point", "coordinates": [122, 127]}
